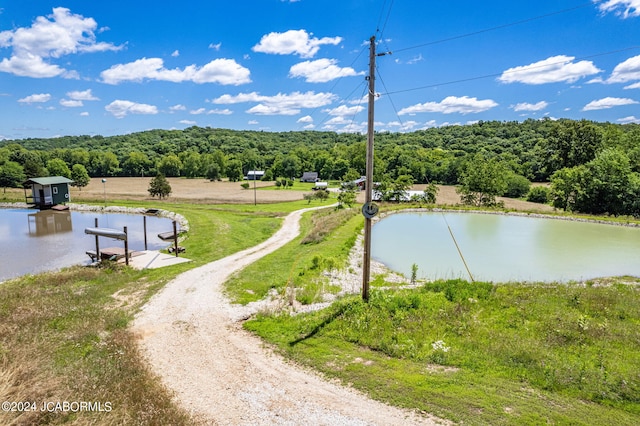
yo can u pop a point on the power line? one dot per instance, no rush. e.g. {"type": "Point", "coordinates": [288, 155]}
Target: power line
{"type": "Point", "coordinates": [486, 30]}
{"type": "Point", "coordinates": [464, 80]}
{"type": "Point", "coordinates": [381, 31]}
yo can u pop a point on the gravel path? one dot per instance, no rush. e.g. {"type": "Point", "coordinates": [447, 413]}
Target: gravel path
{"type": "Point", "coordinates": [223, 375]}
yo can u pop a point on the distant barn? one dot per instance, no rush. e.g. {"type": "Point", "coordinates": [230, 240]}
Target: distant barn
{"type": "Point", "coordinates": [309, 177]}
{"type": "Point", "coordinates": [47, 192]}
{"type": "Point", "coordinates": [254, 175]}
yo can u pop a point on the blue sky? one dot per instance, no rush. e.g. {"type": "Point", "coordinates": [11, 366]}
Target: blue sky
{"type": "Point", "coordinates": [72, 67]}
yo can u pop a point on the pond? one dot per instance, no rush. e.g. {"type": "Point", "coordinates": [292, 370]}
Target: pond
{"type": "Point", "coordinates": [502, 248]}
{"type": "Point", "coordinates": [34, 241]}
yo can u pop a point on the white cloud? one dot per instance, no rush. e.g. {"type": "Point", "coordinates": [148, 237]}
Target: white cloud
{"type": "Point", "coordinates": [120, 108]}
{"type": "Point", "coordinates": [633, 86]}
{"type": "Point", "coordinates": [36, 98]}
{"type": "Point", "coordinates": [293, 42]}
{"type": "Point", "coordinates": [338, 120]}
{"type": "Point", "coordinates": [59, 34]}
{"type": "Point", "coordinates": [555, 69]}
{"type": "Point", "coordinates": [84, 95]}
{"type": "Point", "coordinates": [280, 104]}
{"type": "Point", "coordinates": [629, 120]}
{"type": "Point", "coordinates": [211, 111]}
{"type": "Point", "coordinates": [71, 103]}
{"type": "Point", "coordinates": [222, 71]}
{"type": "Point", "coordinates": [524, 106]}
{"type": "Point", "coordinates": [175, 53]}
{"type": "Point", "coordinates": [305, 119]}
{"type": "Point", "coordinates": [624, 8]}
{"type": "Point", "coordinates": [608, 102]}
{"type": "Point", "coordinates": [177, 107]}
{"type": "Point", "coordinates": [29, 65]}
{"type": "Point", "coordinates": [188, 122]}
{"type": "Point", "coordinates": [215, 47]}
{"type": "Point", "coordinates": [452, 104]}
{"type": "Point", "coordinates": [253, 122]}
{"type": "Point", "coordinates": [626, 71]}
{"type": "Point", "coordinates": [225, 111]}
{"type": "Point", "coordinates": [321, 71]}
{"type": "Point", "coordinates": [84, 114]}
{"type": "Point", "coordinates": [344, 110]}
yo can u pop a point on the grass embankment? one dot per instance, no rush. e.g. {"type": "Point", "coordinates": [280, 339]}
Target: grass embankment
{"type": "Point", "coordinates": [64, 336]}
{"type": "Point", "coordinates": [479, 353]}
{"type": "Point", "coordinates": [326, 237]}
{"type": "Point", "coordinates": [474, 353]}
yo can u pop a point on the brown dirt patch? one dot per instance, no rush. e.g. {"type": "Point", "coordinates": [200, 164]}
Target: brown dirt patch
{"type": "Point", "coordinates": [206, 192]}
{"type": "Point", "coordinates": [195, 190]}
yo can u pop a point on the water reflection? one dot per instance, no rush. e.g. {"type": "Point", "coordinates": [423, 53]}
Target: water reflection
{"type": "Point", "coordinates": [49, 222]}
{"type": "Point", "coordinates": [34, 242]}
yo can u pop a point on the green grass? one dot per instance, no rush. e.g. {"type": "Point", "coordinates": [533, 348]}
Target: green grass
{"type": "Point", "coordinates": [517, 354]}
{"type": "Point", "coordinates": [64, 336]}
{"type": "Point", "coordinates": [326, 237]}
{"type": "Point", "coordinates": [481, 353]}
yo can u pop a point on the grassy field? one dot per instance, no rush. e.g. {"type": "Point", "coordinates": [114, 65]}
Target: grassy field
{"type": "Point", "coordinates": [481, 353]}
{"type": "Point", "coordinates": [477, 354]}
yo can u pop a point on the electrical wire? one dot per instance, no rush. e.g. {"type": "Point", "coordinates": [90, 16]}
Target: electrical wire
{"type": "Point", "coordinates": [499, 27]}
{"type": "Point", "coordinates": [381, 31]}
{"type": "Point", "coordinates": [390, 99]}
{"type": "Point", "coordinates": [458, 248]}
{"type": "Point", "coordinates": [463, 80]}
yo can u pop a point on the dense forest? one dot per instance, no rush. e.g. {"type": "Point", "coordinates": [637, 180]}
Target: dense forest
{"type": "Point", "coordinates": [593, 167]}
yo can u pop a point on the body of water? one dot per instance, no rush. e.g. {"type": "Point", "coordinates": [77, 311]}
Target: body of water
{"type": "Point", "coordinates": [33, 241]}
{"type": "Point", "coordinates": [504, 248]}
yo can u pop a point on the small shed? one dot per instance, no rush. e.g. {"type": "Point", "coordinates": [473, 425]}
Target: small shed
{"type": "Point", "coordinates": [47, 192]}
{"type": "Point", "coordinates": [309, 177]}
{"type": "Point", "coordinates": [255, 175]}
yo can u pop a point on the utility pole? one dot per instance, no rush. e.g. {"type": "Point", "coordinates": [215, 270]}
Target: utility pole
{"type": "Point", "coordinates": [369, 210]}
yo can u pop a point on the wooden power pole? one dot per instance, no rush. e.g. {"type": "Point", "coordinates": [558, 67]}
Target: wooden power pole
{"type": "Point", "coordinates": [369, 210]}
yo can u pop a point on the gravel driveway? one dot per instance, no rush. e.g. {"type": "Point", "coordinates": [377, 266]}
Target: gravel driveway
{"type": "Point", "coordinates": [224, 375]}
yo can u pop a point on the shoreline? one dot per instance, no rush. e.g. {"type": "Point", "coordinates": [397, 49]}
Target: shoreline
{"type": "Point", "coordinates": [506, 213]}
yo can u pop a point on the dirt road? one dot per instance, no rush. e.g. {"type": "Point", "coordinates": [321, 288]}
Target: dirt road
{"type": "Point", "coordinates": [224, 375]}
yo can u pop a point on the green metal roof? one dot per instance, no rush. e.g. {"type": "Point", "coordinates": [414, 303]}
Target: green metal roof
{"type": "Point", "coordinates": [51, 180]}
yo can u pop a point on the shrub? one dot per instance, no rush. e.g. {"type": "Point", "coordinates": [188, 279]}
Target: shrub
{"type": "Point", "coordinates": [517, 186]}
{"type": "Point", "coordinates": [538, 194]}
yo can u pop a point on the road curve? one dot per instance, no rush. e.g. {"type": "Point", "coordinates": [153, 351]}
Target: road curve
{"type": "Point", "coordinates": [224, 375]}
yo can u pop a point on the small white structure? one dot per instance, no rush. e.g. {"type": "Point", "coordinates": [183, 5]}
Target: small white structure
{"type": "Point", "coordinates": [47, 192]}
{"type": "Point", "coordinates": [254, 175]}
{"type": "Point", "coordinates": [320, 185]}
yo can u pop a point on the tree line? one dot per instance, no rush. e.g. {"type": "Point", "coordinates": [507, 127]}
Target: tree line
{"type": "Point", "coordinates": [562, 152]}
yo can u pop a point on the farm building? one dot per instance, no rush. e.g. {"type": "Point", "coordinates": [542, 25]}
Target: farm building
{"type": "Point", "coordinates": [47, 192]}
{"type": "Point", "coordinates": [309, 177]}
{"type": "Point", "coordinates": [254, 175]}
{"type": "Point", "coordinates": [358, 184]}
